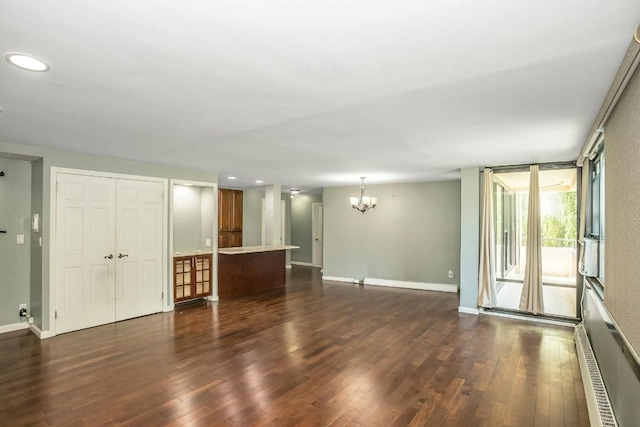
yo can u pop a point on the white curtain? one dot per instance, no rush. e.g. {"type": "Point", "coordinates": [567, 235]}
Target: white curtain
{"type": "Point", "coordinates": [585, 182]}
{"type": "Point", "coordinates": [487, 296]}
{"type": "Point", "coordinates": [531, 298]}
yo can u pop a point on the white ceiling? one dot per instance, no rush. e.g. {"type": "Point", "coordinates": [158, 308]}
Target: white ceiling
{"type": "Point", "coordinates": [313, 93]}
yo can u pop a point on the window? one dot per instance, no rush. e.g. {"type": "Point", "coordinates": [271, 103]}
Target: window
{"type": "Point", "coordinates": [504, 208]}
{"type": "Point", "coordinates": [595, 222]}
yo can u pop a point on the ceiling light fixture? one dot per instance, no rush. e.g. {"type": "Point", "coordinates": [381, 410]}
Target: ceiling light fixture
{"type": "Point", "coordinates": [294, 192]}
{"type": "Point", "coordinates": [26, 62]}
{"type": "Point", "coordinates": [364, 203]}
{"type": "Point", "coordinates": [231, 177]}
{"type": "Point", "coordinates": [259, 181]}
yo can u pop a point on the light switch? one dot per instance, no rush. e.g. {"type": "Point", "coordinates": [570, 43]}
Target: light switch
{"type": "Point", "coordinates": [207, 242]}
{"type": "Point", "coordinates": [21, 239]}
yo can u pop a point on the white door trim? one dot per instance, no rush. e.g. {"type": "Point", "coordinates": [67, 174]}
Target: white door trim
{"type": "Point", "coordinates": [52, 227]}
{"type": "Point", "coordinates": [169, 306]}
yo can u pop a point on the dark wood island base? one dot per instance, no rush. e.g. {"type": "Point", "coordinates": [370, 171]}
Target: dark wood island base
{"type": "Point", "coordinates": [247, 271]}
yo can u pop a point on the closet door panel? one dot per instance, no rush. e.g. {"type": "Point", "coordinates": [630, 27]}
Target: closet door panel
{"type": "Point", "coordinates": [85, 247]}
{"type": "Point", "coordinates": [139, 246]}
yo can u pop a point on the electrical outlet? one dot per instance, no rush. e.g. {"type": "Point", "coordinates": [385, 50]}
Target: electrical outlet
{"type": "Point", "coordinates": [22, 307]}
{"type": "Point", "coordinates": [20, 239]}
{"type": "Point", "coordinates": [450, 274]}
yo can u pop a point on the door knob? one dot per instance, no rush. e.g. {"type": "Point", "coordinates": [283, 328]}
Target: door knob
{"type": "Point", "coordinates": [122, 255]}
{"type": "Point", "coordinates": [110, 256]}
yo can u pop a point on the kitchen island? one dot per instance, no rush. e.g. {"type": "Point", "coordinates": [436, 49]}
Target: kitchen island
{"type": "Point", "coordinates": [248, 270]}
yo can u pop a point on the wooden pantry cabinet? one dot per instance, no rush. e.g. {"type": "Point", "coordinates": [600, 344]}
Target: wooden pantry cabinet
{"type": "Point", "coordinates": [229, 218]}
{"type": "Point", "coordinates": [191, 277]}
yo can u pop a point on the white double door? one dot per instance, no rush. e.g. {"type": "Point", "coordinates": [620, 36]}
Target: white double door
{"type": "Point", "coordinates": [109, 235]}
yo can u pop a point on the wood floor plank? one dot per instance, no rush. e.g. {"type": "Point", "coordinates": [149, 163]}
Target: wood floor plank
{"type": "Point", "coordinates": [315, 353]}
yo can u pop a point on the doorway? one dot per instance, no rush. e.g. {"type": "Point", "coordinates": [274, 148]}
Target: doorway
{"type": "Point", "coordinates": [559, 219]}
{"type": "Point", "coordinates": [316, 232]}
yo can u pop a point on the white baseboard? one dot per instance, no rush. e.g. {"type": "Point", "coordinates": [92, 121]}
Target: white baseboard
{"type": "Point", "coordinates": [288, 266]}
{"type": "Point", "coordinates": [40, 334]}
{"type": "Point", "coordinates": [441, 287]}
{"type": "Point", "coordinates": [468, 310]}
{"type": "Point", "coordinates": [213, 298]}
{"type": "Point", "coordinates": [13, 327]}
{"type": "Point", "coordinates": [340, 279]}
{"type": "Point", "coordinates": [304, 264]}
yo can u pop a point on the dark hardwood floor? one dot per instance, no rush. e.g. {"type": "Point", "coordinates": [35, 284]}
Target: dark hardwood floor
{"type": "Point", "coordinates": [311, 354]}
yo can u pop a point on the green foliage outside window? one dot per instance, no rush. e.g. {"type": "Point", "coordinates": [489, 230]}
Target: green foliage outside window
{"type": "Point", "coordinates": [560, 232]}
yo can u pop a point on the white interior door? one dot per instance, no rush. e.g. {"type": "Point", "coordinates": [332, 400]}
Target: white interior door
{"type": "Point", "coordinates": [316, 231]}
{"type": "Point", "coordinates": [109, 249]}
{"type": "Point", "coordinates": [139, 248]}
{"type": "Point", "coordinates": [85, 252]}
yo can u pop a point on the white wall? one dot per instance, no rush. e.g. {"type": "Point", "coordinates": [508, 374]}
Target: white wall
{"type": "Point", "coordinates": [469, 237]}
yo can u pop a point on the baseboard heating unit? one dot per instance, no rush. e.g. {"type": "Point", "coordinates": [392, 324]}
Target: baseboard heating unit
{"type": "Point", "coordinates": [600, 413]}
{"type": "Point", "coordinates": [609, 365]}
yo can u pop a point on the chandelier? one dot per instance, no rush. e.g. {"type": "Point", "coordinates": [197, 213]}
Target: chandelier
{"type": "Point", "coordinates": [364, 203]}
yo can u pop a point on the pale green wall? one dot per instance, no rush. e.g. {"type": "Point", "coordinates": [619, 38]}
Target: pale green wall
{"type": "Point", "coordinates": [187, 218]}
{"type": "Point", "coordinates": [413, 234]}
{"type": "Point", "coordinates": [66, 159]}
{"type": "Point", "coordinates": [35, 298]}
{"type": "Point", "coordinates": [301, 226]}
{"type": "Point", "coordinates": [193, 213]}
{"type": "Point", "coordinates": [252, 216]}
{"type": "Point", "coordinates": [208, 206]}
{"type": "Point", "coordinates": [469, 237]}
{"type": "Point", "coordinates": [15, 218]}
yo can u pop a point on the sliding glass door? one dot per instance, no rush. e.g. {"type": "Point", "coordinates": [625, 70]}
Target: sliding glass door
{"type": "Point", "coordinates": [558, 213]}
{"type": "Point", "coordinates": [505, 227]}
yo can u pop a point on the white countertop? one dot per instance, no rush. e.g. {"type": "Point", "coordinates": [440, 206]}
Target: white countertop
{"type": "Point", "coordinates": [192, 253]}
{"type": "Point", "coordinates": [254, 249]}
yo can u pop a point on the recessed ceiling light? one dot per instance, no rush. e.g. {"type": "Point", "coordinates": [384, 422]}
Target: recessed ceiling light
{"type": "Point", "coordinates": [259, 181]}
{"type": "Point", "coordinates": [231, 177]}
{"type": "Point", "coordinates": [27, 62]}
